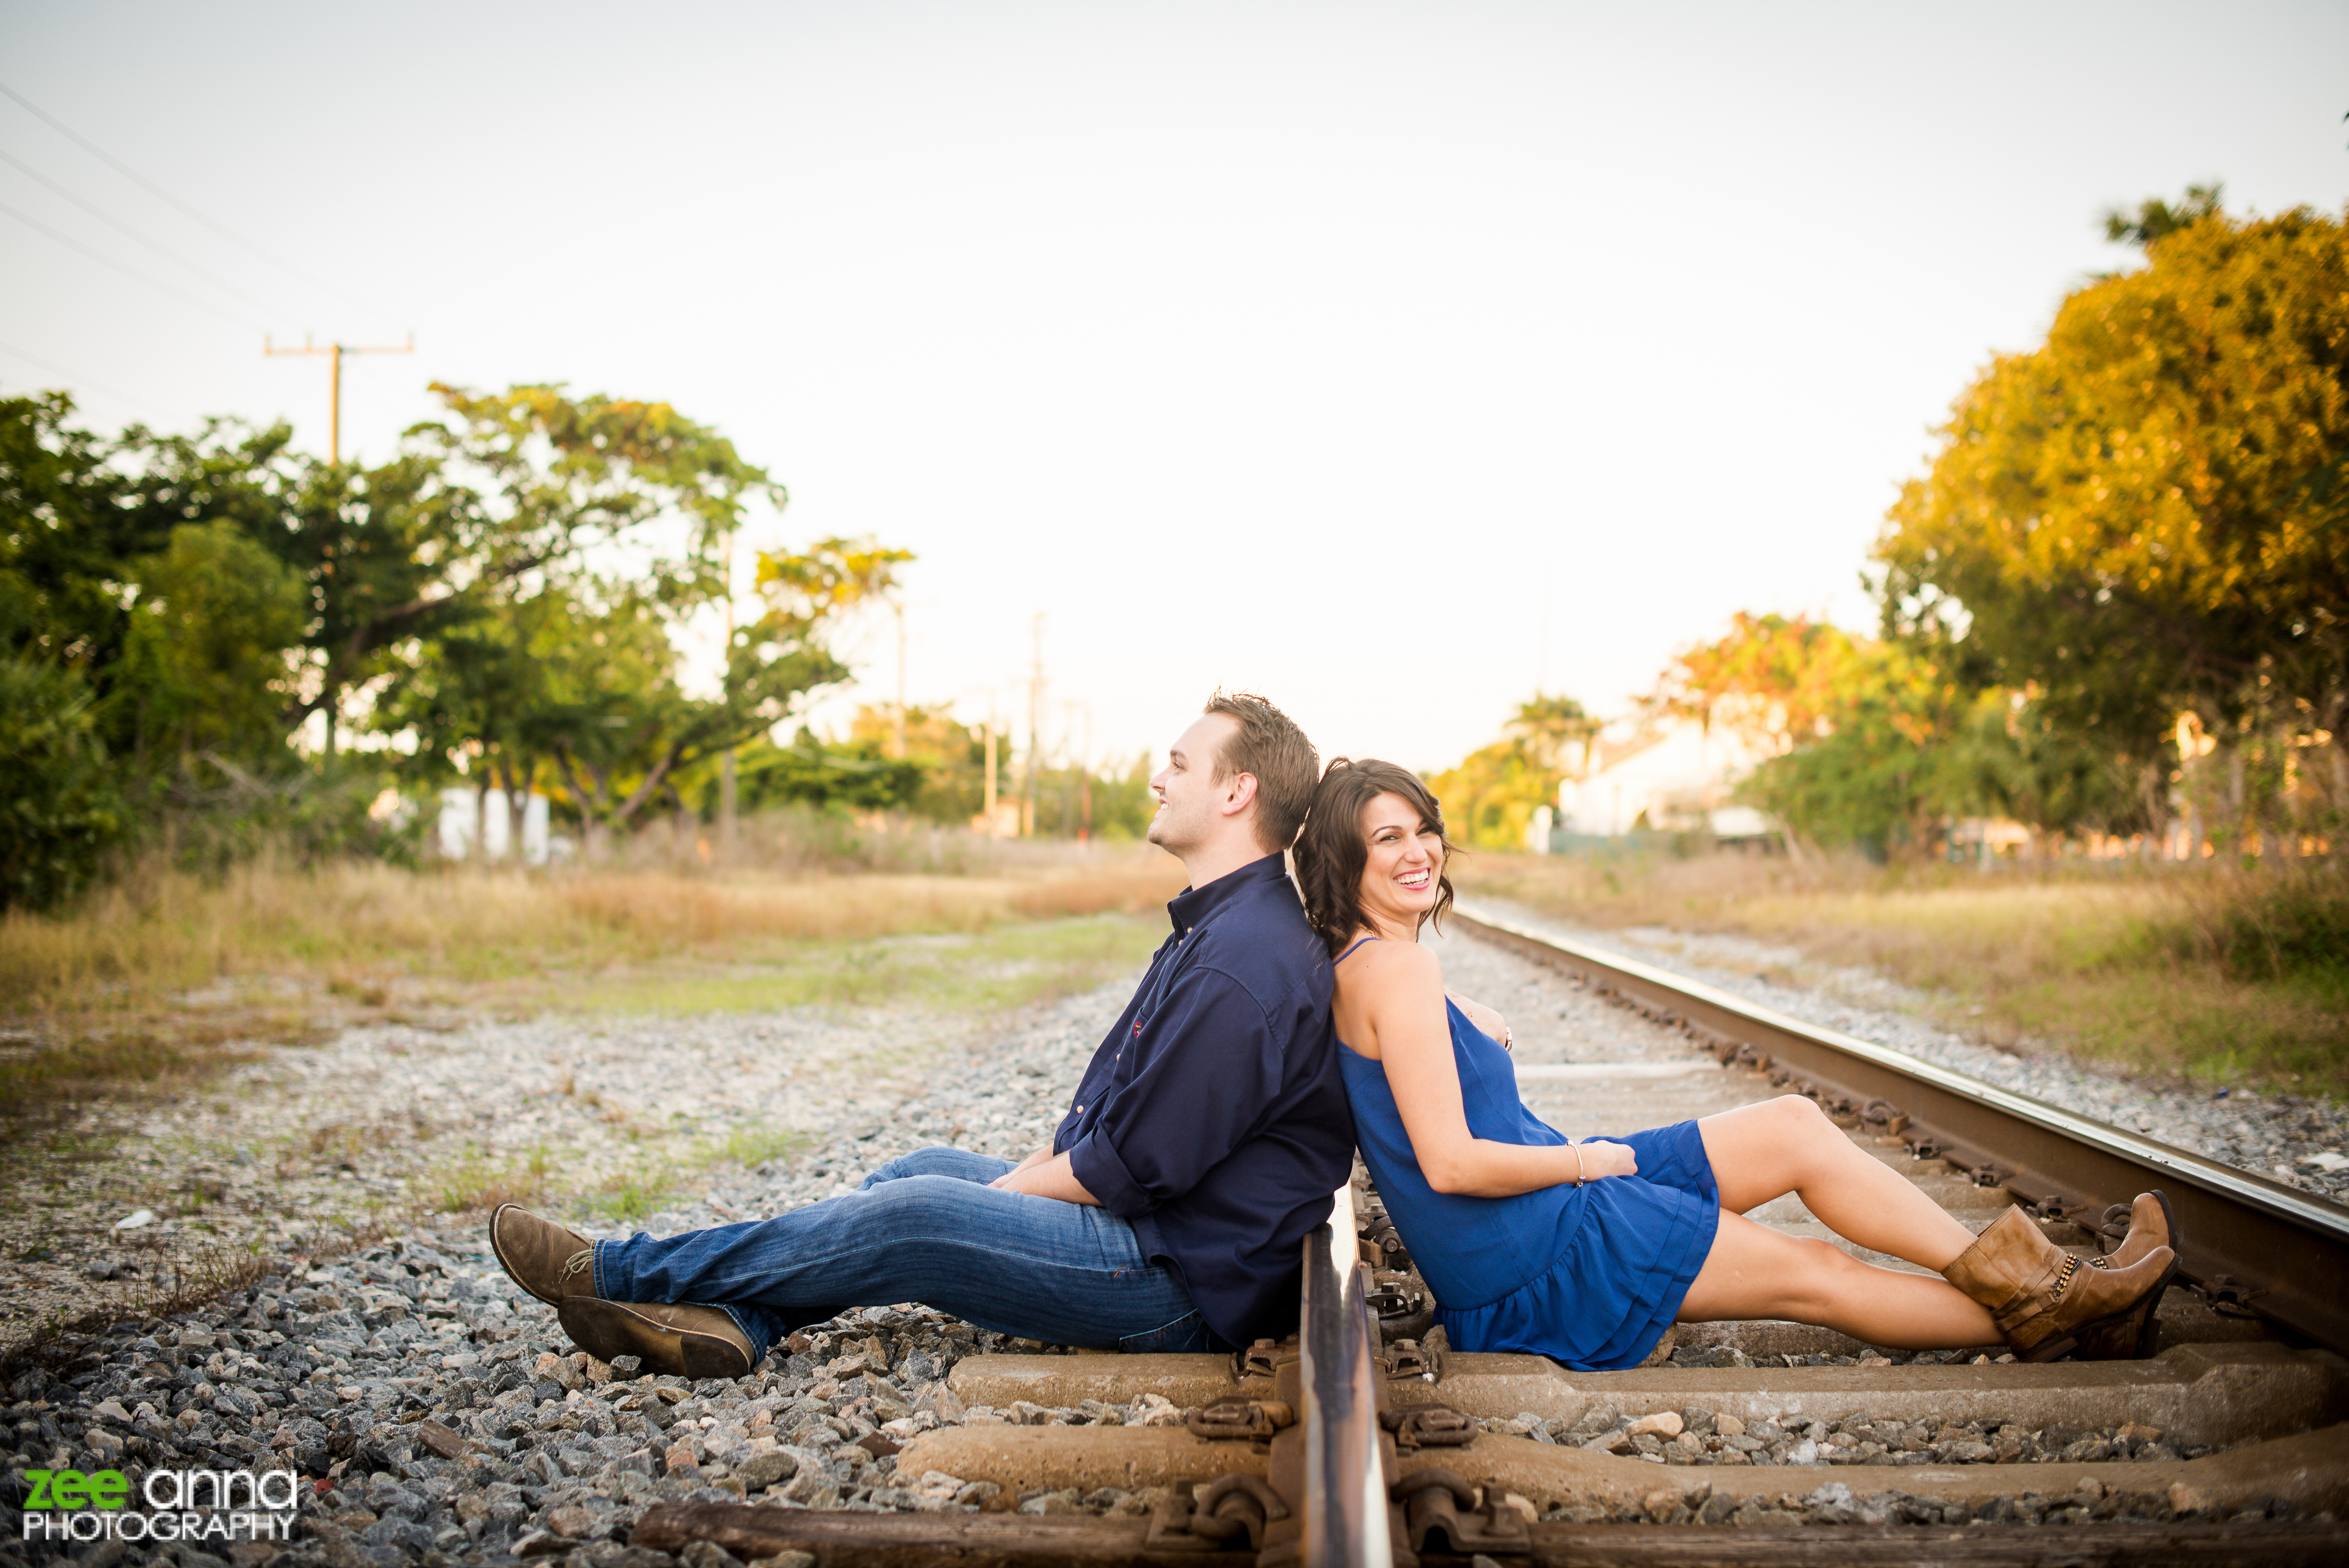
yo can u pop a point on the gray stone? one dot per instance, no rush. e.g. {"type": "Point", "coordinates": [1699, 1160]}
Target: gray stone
{"type": "Point", "coordinates": [761, 1470]}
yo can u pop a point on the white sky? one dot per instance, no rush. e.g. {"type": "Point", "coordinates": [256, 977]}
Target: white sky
{"type": "Point", "coordinates": [1333, 351]}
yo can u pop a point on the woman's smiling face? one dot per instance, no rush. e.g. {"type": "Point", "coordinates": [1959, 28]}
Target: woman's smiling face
{"type": "Point", "coordinates": [1405, 858]}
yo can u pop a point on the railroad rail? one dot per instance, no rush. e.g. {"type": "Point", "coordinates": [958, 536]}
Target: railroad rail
{"type": "Point", "coordinates": [1353, 1447]}
{"type": "Point", "coordinates": [2251, 1244]}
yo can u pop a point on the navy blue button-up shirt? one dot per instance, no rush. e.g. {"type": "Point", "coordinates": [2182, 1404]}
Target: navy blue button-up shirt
{"type": "Point", "coordinates": [1214, 1118]}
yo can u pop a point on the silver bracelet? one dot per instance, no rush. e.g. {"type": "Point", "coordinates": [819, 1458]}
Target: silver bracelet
{"type": "Point", "coordinates": [1578, 1178]}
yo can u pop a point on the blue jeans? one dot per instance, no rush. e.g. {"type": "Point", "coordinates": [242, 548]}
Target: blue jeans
{"type": "Point", "coordinates": [926, 1228]}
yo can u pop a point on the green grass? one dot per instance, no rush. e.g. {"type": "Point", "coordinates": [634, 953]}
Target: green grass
{"type": "Point", "coordinates": [1010, 966]}
{"type": "Point", "coordinates": [2212, 975]}
{"type": "Point", "coordinates": [151, 986]}
{"type": "Point", "coordinates": [475, 1181]}
{"type": "Point", "coordinates": [639, 1189]}
{"type": "Point", "coordinates": [755, 1146]}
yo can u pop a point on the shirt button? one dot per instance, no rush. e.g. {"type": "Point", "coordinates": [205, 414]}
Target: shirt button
{"type": "Point", "coordinates": [1081, 1110]}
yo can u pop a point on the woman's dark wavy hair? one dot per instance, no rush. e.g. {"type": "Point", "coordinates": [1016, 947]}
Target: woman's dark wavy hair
{"type": "Point", "coordinates": [1331, 853]}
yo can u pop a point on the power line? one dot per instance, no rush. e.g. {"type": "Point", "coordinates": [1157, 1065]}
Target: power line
{"type": "Point", "coordinates": [64, 239]}
{"type": "Point", "coordinates": [160, 249]}
{"type": "Point", "coordinates": [93, 384]}
{"type": "Point", "coordinates": [152, 189]}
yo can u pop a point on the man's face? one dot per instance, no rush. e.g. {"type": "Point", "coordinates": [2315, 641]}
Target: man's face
{"type": "Point", "coordinates": [1188, 795]}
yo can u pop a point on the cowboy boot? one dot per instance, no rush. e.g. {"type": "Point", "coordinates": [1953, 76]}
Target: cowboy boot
{"type": "Point", "coordinates": [551, 1262]}
{"type": "Point", "coordinates": [2152, 1223]}
{"type": "Point", "coordinates": [680, 1339]}
{"type": "Point", "coordinates": [2041, 1297]}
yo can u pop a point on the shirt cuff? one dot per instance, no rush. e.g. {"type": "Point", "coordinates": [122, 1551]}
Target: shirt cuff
{"type": "Point", "coordinates": [1093, 1162]}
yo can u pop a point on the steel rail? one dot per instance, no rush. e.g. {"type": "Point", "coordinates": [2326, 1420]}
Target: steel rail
{"type": "Point", "coordinates": [1345, 1512]}
{"type": "Point", "coordinates": [2249, 1242]}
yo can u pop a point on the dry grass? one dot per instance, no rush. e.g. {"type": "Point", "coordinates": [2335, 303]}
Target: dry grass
{"type": "Point", "coordinates": [157, 980]}
{"type": "Point", "coordinates": [2213, 975]}
{"type": "Point", "coordinates": [64, 1346]}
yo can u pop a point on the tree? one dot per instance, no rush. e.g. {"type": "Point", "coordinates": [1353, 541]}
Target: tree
{"type": "Point", "coordinates": [144, 626]}
{"type": "Point", "coordinates": [2149, 513]}
{"type": "Point", "coordinates": [506, 592]}
{"type": "Point", "coordinates": [214, 621]}
{"type": "Point", "coordinates": [60, 807]}
{"type": "Point", "coordinates": [951, 757]}
{"type": "Point", "coordinates": [580, 536]}
{"type": "Point", "coordinates": [2009, 757]}
{"type": "Point", "coordinates": [855, 775]}
{"type": "Point", "coordinates": [1490, 797]}
{"type": "Point", "coordinates": [1557, 732]}
{"type": "Point", "coordinates": [2155, 218]}
{"type": "Point", "coordinates": [1849, 727]}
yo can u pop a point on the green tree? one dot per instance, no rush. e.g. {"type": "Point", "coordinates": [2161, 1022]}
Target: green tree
{"type": "Point", "coordinates": [211, 631]}
{"type": "Point", "coordinates": [581, 534]}
{"type": "Point", "coordinates": [855, 775]}
{"type": "Point", "coordinates": [1848, 728]}
{"type": "Point", "coordinates": [148, 623]}
{"type": "Point", "coordinates": [2149, 513]}
{"type": "Point", "coordinates": [951, 757]}
{"type": "Point", "coordinates": [1490, 797]}
{"type": "Point", "coordinates": [61, 807]}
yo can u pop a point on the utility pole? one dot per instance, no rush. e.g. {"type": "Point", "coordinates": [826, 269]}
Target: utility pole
{"type": "Point", "coordinates": [334, 353]}
{"type": "Point", "coordinates": [726, 795]}
{"type": "Point", "coordinates": [1085, 778]}
{"type": "Point", "coordinates": [1541, 647]}
{"type": "Point", "coordinates": [988, 816]}
{"type": "Point", "coordinates": [897, 607]}
{"type": "Point", "coordinates": [1035, 734]}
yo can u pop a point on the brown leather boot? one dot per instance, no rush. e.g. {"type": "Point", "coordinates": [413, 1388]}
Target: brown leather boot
{"type": "Point", "coordinates": [2152, 1223]}
{"type": "Point", "coordinates": [2043, 1298]}
{"type": "Point", "coordinates": [548, 1261]}
{"type": "Point", "coordinates": [683, 1340]}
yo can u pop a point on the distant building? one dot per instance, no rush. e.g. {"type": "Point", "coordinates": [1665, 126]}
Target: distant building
{"type": "Point", "coordinates": [1983, 839]}
{"type": "Point", "coordinates": [1672, 775]}
{"type": "Point", "coordinates": [465, 815]}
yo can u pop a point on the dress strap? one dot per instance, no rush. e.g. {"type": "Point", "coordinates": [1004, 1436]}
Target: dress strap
{"type": "Point", "coordinates": [1342, 956]}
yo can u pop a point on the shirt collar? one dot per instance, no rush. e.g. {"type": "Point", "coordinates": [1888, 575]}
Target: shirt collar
{"type": "Point", "coordinates": [1193, 904]}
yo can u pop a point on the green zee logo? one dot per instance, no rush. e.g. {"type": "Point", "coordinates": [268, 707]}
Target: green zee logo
{"type": "Point", "coordinates": [65, 1490]}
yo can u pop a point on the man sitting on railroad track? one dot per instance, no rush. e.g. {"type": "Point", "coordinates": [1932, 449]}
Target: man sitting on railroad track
{"type": "Point", "coordinates": [1202, 1143]}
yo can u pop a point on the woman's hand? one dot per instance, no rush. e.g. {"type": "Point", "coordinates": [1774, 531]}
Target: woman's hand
{"type": "Point", "coordinates": [1601, 1157]}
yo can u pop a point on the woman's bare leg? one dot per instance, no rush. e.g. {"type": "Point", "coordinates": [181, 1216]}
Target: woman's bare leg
{"type": "Point", "coordinates": [1755, 1272]}
{"type": "Point", "coordinates": [1787, 1144]}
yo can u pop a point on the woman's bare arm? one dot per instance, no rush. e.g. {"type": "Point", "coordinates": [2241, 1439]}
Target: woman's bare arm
{"type": "Point", "coordinates": [1398, 1000]}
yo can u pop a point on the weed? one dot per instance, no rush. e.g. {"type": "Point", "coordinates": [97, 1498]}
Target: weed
{"type": "Point", "coordinates": [633, 1195]}
{"type": "Point", "coordinates": [476, 1182]}
{"type": "Point", "coordinates": [755, 1146]}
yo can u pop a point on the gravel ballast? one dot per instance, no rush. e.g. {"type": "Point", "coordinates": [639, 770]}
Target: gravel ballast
{"type": "Point", "coordinates": [437, 1414]}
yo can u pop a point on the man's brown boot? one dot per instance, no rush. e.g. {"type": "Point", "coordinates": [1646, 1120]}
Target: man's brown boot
{"type": "Point", "coordinates": [549, 1262]}
{"type": "Point", "coordinates": [694, 1342]}
{"type": "Point", "coordinates": [2043, 1298]}
{"type": "Point", "coordinates": [2152, 1223]}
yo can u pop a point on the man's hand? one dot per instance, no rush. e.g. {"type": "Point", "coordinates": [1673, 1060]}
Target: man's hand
{"type": "Point", "coordinates": [1046, 1175]}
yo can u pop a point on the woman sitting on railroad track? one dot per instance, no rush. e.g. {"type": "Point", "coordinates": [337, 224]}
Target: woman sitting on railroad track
{"type": "Point", "coordinates": [1586, 1251]}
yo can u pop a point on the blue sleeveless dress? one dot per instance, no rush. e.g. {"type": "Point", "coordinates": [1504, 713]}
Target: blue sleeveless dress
{"type": "Point", "coordinates": [1589, 1276]}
